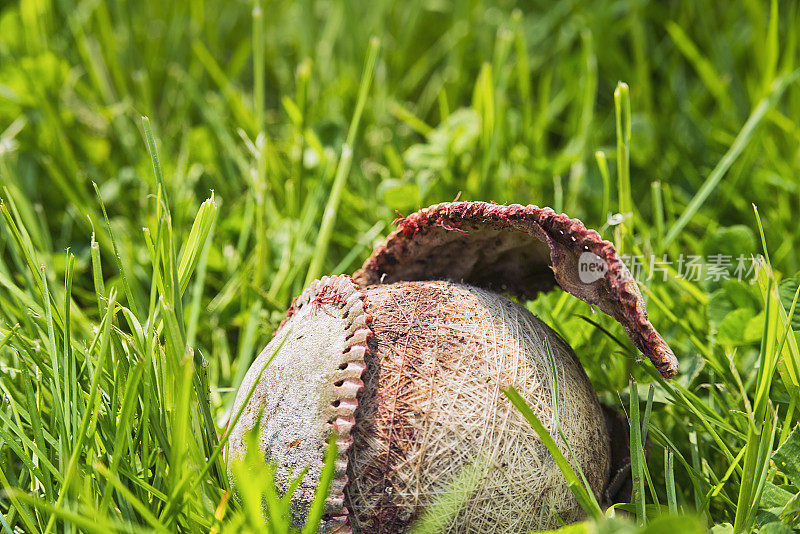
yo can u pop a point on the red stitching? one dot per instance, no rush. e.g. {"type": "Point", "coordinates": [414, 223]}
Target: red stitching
{"type": "Point", "coordinates": [326, 296]}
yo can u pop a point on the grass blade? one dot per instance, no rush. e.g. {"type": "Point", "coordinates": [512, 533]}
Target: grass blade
{"type": "Point", "coordinates": [637, 456]}
{"type": "Point", "coordinates": [343, 169]}
{"type": "Point", "coordinates": [742, 140]}
{"type": "Point", "coordinates": [584, 497]}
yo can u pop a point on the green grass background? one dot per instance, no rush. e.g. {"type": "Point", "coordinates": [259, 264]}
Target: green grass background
{"type": "Point", "coordinates": [140, 274]}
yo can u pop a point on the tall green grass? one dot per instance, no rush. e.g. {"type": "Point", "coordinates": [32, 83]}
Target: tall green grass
{"type": "Point", "coordinates": [143, 264]}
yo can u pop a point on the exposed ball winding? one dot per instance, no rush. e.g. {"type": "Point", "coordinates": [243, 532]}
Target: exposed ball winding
{"type": "Point", "coordinates": [432, 404]}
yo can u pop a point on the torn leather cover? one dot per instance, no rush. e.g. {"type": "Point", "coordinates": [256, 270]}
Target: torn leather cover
{"type": "Point", "coordinates": [521, 251]}
{"type": "Point", "coordinates": [305, 386]}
